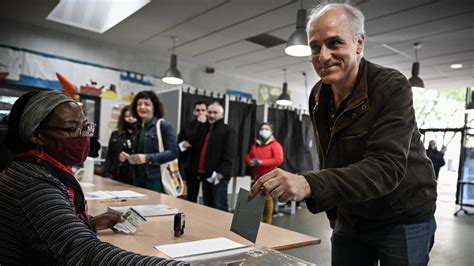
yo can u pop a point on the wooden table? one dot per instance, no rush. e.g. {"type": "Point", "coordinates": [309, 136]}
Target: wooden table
{"type": "Point", "coordinates": [201, 223]}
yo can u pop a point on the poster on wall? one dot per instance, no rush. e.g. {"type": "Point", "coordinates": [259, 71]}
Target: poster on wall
{"type": "Point", "coordinates": [268, 94]}
{"type": "Point", "coordinates": [41, 70]}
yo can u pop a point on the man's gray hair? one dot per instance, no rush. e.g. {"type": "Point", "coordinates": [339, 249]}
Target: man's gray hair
{"type": "Point", "coordinates": [354, 14]}
{"type": "Point", "coordinates": [221, 108]}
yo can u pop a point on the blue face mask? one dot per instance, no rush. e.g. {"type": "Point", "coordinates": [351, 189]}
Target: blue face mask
{"type": "Point", "coordinates": [265, 134]}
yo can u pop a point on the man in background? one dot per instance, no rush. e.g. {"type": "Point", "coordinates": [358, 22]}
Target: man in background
{"type": "Point", "coordinates": [218, 149]}
{"type": "Point", "coordinates": [192, 132]}
{"type": "Point", "coordinates": [436, 157]}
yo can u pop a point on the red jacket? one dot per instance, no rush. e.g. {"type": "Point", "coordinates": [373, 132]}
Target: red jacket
{"type": "Point", "coordinates": [271, 155]}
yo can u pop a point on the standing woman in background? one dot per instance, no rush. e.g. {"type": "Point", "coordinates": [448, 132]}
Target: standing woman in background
{"type": "Point", "coordinates": [121, 140]}
{"type": "Point", "coordinates": [148, 109]}
{"type": "Point", "coordinates": [265, 155]}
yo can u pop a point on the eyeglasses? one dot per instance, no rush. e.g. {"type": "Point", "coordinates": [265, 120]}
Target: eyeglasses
{"type": "Point", "coordinates": [87, 130]}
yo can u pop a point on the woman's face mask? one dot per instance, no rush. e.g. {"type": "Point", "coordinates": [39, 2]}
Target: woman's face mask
{"type": "Point", "coordinates": [265, 133]}
{"type": "Point", "coordinates": [71, 151]}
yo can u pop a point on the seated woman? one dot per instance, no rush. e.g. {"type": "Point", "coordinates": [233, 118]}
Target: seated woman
{"type": "Point", "coordinates": [43, 213]}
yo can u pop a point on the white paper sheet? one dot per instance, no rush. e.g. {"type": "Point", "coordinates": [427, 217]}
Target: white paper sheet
{"type": "Point", "coordinates": [148, 210]}
{"type": "Point", "coordinates": [198, 247]}
{"type": "Point", "coordinates": [86, 184]}
{"type": "Point", "coordinates": [98, 195]}
{"type": "Point", "coordinates": [123, 194]}
{"type": "Point", "coordinates": [113, 194]}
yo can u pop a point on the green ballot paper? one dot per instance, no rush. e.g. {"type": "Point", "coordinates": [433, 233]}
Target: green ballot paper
{"type": "Point", "coordinates": [247, 215]}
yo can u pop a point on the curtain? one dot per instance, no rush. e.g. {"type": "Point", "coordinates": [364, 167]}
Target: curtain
{"type": "Point", "coordinates": [285, 130]}
{"type": "Point", "coordinates": [297, 138]}
{"type": "Point", "coordinates": [242, 118]}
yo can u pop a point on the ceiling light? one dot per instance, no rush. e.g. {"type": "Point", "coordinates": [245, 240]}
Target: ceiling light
{"type": "Point", "coordinates": [297, 44]}
{"type": "Point", "coordinates": [172, 75]}
{"type": "Point", "coordinates": [415, 81]}
{"type": "Point", "coordinates": [94, 15]}
{"type": "Point", "coordinates": [456, 66]}
{"type": "Point", "coordinates": [284, 98]}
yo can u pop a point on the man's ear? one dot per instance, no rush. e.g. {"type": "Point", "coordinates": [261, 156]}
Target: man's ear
{"type": "Point", "coordinates": [36, 138]}
{"type": "Point", "coordinates": [360, 43]}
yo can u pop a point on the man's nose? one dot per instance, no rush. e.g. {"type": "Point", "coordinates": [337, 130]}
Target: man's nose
{"type": "Point", "coordinates": [324, 55]}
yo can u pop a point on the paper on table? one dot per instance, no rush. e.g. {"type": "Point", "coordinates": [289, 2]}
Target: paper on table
{"type": "Point", "coordinates": [126, 194]}
{"type": "Point", "coordinates": [86, 184]}
{"type": "Point", "coordinates": [98, 195]}
{"type": "Point", "coordinates": [115, 194]}
{"type": "Point", "coordinates": [198, 247]}
{"type": "Point", "coordinates": [148, 210]}
{"type": "Point", "coordinates": [247, 215]}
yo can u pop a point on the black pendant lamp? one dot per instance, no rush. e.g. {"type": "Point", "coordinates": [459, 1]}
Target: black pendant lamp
{"type": "Point", "coordinates": [297, 44]}
{"type": "Point", "coordinates": [284, 98]}
{"type": "Point", "coordinates": [172, 75]}
{"type": "Point", "coordinates": [415, 80]}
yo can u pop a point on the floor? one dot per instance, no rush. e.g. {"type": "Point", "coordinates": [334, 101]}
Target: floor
{"type": "Point", "coordinates": [454, 240]}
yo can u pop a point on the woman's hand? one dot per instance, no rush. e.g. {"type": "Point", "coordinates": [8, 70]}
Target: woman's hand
{"type": "Point", "coordinates": [123, 156]}
{"type": "Point", "coordinates": [107, 220]}
{"type": "Point", "coordinates": [137, 158]}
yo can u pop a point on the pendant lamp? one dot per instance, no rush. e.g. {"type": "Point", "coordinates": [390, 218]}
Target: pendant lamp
{"type": "Point", "coordinates": [415, 81]}
{"type": "Point", "coordinates": [172, 75]}
{"type": "Point", "coordinates": [284, 98]}
{"type": "Point", "coordinates": [297, 44]}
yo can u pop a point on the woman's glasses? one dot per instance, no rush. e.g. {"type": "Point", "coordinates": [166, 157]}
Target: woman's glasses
{"type": "Point", "coordinates": [87, 130]}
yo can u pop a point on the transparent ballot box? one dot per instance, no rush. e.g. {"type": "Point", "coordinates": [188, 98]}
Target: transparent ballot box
{"type": "Point", "coordinates": [248, 255]}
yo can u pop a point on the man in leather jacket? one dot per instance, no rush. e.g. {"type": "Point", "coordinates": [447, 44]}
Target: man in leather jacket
{"type": "Point", "coordinates": [376, 182]}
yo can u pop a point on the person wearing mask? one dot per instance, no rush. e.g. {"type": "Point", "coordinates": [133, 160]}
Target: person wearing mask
{"type": "Point", "coordinates": [376, 182]}
{"type": "Point", "coordinates": [121, 140]}
{"type": "Point", "coordinates": [43, 213]}
{"type": "Point", "coordinates": [147, 158]}
{"type": "Point", "coordinates": [436, 157]}
{"type": "Point", "coordinates": [192, 132]}
{"type": "Point", "coordinates": [265, 155]}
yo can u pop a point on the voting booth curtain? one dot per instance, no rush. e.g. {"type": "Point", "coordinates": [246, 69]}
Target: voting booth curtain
{"type": "Point", "coordinates": [295, 137]}
{"type": "Point", "coordinates": [242, 118]}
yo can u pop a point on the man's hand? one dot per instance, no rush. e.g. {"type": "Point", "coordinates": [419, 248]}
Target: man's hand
{"type": "Point", "coordinates": [123, 156]}
{"type": "Point", "coordinates": [202, 118]}
{"type": "Point", "coordinates": [443, 149]}
{"type": "Point", "coordinates": [139, 158]}
{"type": "Point", "coordinates": [107, 220]}
{"type": "Point", "coordinates": [282, 185]}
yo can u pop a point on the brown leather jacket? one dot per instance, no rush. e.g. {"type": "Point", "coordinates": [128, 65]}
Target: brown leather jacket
{"type": "Point", "coordinates": [374, 168]}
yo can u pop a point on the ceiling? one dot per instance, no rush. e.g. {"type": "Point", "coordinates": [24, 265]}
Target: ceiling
{"type": "Point", "coordinates": [213, 33]}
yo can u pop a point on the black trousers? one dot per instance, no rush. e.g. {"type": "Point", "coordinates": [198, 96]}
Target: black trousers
{"type": "Point", "coordinates": [193, 182]}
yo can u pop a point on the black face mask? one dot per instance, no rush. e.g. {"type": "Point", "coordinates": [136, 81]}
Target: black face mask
{"type": "Point", "coordinates": [94, 147]}
{"type": "Point", "coordinates": [128, 126]}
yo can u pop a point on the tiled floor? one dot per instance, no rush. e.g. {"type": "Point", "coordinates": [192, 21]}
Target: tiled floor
{"type": "Point", "coordinates": [454, 240]}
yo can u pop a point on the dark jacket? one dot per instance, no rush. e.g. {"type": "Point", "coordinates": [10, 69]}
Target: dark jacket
{"type": "Point", "coordinates": [221, 149]}
{"type": "Point", "coordinates": [374, 165]}
{"type": "Point", "coordinates": [154, 158]}
{"type": "Point", "coordinates": [122, 171]}
{"type": "Point", "coordinates": [437, 158]}
{"type": "Point", "coordinates": [192, 132]}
